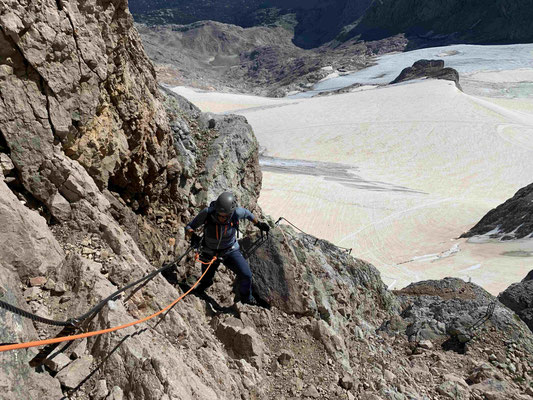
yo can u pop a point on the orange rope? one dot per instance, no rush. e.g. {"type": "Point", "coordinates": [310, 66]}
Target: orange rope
{"type": "Point", "coordinates": [197, 258]}
{"type": "Point", "coordinates": [95, 333]}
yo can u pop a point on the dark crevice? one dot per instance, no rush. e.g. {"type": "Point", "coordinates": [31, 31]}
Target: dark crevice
{"type": "Point", "coordinates": [75, 36]}
{"type": "Point", "coordinates": [4, 148]}
{"type": "Point", "coordinates": [45, 90]}
{"type": "Point", "coordinates": [59, 4]}
{"type": "Point", "coordinates": [30, 201]}
{"type": "Point", "coordinates": [454, 344]}
{"type": "Point", "coordinates": [24, 31]}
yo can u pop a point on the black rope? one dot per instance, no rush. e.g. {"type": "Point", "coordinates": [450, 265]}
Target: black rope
{"type": "Point", "coordinates": [75, 321]}
{"type": "Point", "coordinates": [26, 314]}
{"type": "Point", "coordinates": [255, 245]}
{"type": "Point", "coordinates": [316, 241]}
{"type": "Point", "coordinates": [488, 315]}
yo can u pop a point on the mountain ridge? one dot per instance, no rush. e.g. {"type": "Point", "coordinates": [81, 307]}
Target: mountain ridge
{"type": "Point", "coordinates": [317, 22]}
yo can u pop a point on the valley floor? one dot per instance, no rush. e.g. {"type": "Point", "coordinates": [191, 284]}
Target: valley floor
{"type": "Point", "coordinates": [398, 173]}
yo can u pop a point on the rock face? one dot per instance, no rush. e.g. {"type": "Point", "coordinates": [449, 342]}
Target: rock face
{"type": "Point", "coordinates": [282, 282]}
{"type": "Point", "coordinates": [26, 244]}
{"type": "Point", "coordinates": [68, 83]}
{"type": "Point", "coordinates": [433, 69]}
{"type": "Point", "coordinates": [519, 298]}
{"type": "Point", "coordinates": [452, 308]}
{"type": "Point", "coordinates": [510, 220]}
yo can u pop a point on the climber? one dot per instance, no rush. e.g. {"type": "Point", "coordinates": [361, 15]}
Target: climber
{"type": "Point", "coordinates": [221, 224]}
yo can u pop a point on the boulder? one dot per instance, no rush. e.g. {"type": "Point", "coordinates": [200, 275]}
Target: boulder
{"type": "Point", "coordinates": [243, 342]}
{"type": "Point", "coordinates": [74, 373]}
{"type": "Point", "coordinates": [58, 362]}
{"type": "Point", "coordinates": [453, 390]}
{"type": "Point", "coordinates": [433, 69]}
{"type": "Point", "coordinates": [27, 245]}
{"type": "Point", "coordinates": [6, 165]}
{"type": "Point", "coordinates": [451, 308]}
{"type": "Point", "coordinates": [519, 298]}
{"type": "Point", "coordinates": [511, 220]}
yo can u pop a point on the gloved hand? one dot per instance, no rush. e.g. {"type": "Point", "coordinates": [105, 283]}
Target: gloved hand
{"type": "Point", "coordinates": [263, 226]}
{"type": "Point", "coordinates": [195, 240]}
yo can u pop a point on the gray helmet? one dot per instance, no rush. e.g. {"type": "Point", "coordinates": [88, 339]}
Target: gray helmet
{"type": "Point", "coordinates": [226, 203]}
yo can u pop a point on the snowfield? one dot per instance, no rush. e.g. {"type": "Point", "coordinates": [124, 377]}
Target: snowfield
{"type": "Point", "coordinates": [398, 173]}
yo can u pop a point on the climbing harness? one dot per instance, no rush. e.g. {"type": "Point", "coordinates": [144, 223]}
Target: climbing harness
{"type": "Point", "coordinates": [349, 251]}
{"type": "Point", "coordinates": [98, 307]}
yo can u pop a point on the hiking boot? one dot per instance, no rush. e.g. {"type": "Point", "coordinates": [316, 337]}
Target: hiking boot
{"type": "Point", "coordinates": [199, 292]}
{"type": "Point", "coordinates": [250, 301]}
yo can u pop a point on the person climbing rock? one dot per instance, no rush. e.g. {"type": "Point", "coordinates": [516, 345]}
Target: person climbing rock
{"type": "Point", "coordinates": [221, 223]}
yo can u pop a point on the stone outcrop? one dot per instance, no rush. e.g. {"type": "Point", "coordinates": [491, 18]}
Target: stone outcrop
{"type": "Point", "coordinates": [510, 220]}
{"type": "Point", "coordinates": [287, 275]}
{"type": "Point", "coordinates": [452, 308]}
{"type": "Point", "coordinates": [519, 298]}
{"type": "Point", "coordinates": [432, 69]}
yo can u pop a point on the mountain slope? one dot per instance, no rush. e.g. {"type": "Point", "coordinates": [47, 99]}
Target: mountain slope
{"type": "Point", "coordinates": [510, 220]}
{"type": "Point", "coordinates": [318, 22]}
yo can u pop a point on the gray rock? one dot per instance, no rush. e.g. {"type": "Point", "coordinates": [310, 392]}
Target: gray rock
{"type": "Point", "coordinates": [235, 148]}
{"type": "Point", "coordinates": [100, 390]}
{"type": "Point", "coordinates": [79, 349]}
{"type": "Point", "coordinates": [115, 394]}
{"type": "Point", "coordinates": [6, 165]}
{"type": "Point", "coordinates": [285, 357]}
{"type": "Point", "coordinates": [312, 392]}
{"type": "Point", "coordinates": [512, 220]}
{"type": "Point", "coordinates": [17, 378]}
{"type": "Point", "coordinates": [426, 344]}
{"type": "Point", "coordinates": [492, 389]}
{"type": "Point", "coordinates": [58, 362]}
{"type": "Point", "coordinates": [32, 293]}
{"type": "Point", "coordinates": [28, 247]}
{"type": "Point", "coordinates": [346, 382]}
{"type": "Point", "coordinates": [456, 306]}
{"type": "Point", "coordinates": [453, 390]}
{"type": "Point", "coordinates": [519, 298]}
{"type": "Point", "coordinates": [74, 373]}
{"type": "Point", "coordinates": [428, 69]}
{"type": "Point", "coordinates": [244, 342]}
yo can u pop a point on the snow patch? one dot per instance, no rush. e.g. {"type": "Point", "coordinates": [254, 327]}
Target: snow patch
{"type": "Point", "coordinates": [472, 268]}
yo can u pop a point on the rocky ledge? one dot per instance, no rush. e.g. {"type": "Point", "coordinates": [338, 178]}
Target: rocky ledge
{"type": "Point", "coordinates": [510, 220]}
{"type": "Point", "coordinates": [519, 298]}
{"type": "Point", "coordinates": [433, 69]}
